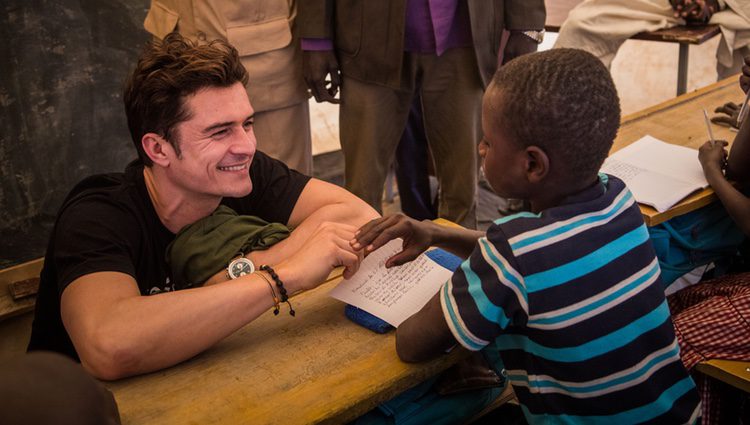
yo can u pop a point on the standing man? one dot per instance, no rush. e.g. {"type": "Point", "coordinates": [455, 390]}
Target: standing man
{"type": "Point", "coordinates": [390, 51]}
{"type": "Point", "coordinates": [106, 293]}
{"type": "Point", "coordinates": [263, 32]}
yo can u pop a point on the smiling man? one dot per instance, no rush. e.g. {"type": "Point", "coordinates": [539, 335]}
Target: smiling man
{"type": "Point", "coordinates": [107, 297]}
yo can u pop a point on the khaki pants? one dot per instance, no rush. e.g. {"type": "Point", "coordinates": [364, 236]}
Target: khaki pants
{"type": "Point", "coordinates": [373, 117]}
{"type": "Point", "coordinates": [284, 134]}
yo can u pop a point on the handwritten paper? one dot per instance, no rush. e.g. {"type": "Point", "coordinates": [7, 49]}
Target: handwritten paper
{"type": "Point", "coordinates": [392, 294]}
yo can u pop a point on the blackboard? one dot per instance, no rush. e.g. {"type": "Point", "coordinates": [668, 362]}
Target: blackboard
{"type": "Point", "coordinates": [62, 68]}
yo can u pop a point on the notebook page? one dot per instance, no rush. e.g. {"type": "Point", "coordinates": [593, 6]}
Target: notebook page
{"type": "Point", "coordinates": [392, 294]}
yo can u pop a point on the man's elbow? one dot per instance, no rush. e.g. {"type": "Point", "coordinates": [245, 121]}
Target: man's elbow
{"type": "Point", "coordinates": [108, 358]}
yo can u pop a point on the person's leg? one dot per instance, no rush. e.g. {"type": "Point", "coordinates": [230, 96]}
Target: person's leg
{"type": "Point", "coordinates": [451, 103]}
{"type": "Point", "coordinates": [49, 388]}
{"type": "Point", "coordinates": [601, 26]}
{"type": "Point", "coordinates": [371, 120]}
{"type": "Point", "coordinates": [412, 166]}
{"type": "Point", "coordinates": [284, 134]}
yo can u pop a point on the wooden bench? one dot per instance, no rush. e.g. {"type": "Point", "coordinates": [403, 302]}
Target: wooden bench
{"type": "Point", "coordinates": [684, 36]}
{"type": "Point", "coordinates": [18, 287]}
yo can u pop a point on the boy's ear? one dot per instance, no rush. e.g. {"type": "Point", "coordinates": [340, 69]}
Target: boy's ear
{"type": "Point", "coordinates": [537, 164]}
{"type": "Point", "coordinates": [157, 148]}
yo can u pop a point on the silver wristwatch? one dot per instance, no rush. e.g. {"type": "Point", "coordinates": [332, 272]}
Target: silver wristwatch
{"type": "Point", "coordinates": [537, 36]}
{"type": "Point", "coordinates": [240, 266]}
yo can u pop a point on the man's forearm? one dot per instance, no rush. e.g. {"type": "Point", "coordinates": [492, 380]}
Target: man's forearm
{"type": "Point", "coordinates": [120, 335]}
{"type": "Point", "coordinates": [355, 215]}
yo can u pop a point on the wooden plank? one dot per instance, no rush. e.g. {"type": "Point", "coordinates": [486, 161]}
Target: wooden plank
{"type": "Point", "coordinates": [732, 372]}
{"type": "Point", "coordinates": [24, 288]}
{"type": "Point", "coordinates": [10, 307]}
{"type": "Point", "coordinates": [680, 121]}
{"type": "Point", "coordinates": [317, 367]}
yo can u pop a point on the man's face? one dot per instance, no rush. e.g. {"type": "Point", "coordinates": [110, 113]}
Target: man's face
{"type": "Point", "coordinates": [217, 144]}
{"type": "Point", "coordinates": [502, 160]}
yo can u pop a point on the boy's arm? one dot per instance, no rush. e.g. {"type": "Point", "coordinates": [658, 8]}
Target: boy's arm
{"type": "Point", "coordinates": [417, 236]}
{"type": "Point", "coordinates": [424, 335]}
{"type": "Point", "coordinates": [736, 204]}
{"type": "Point", "coordinates": [739, 156]}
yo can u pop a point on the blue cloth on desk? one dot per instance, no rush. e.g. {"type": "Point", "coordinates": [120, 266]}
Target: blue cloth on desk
{"type": "Point", "coordinates": [374, 323]}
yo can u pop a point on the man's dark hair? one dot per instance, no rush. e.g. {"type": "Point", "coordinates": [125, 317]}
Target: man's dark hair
{"type": "Point", "coordinates": [167, 72]}
{"type": "Point", "coordinates": [563, 101]}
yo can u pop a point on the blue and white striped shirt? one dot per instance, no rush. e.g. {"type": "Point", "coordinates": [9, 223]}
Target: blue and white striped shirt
{"type": "Point", "coordinates": [572, 300]}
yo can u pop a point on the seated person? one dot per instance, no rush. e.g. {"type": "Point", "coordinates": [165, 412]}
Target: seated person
{"type": "Point", "coordinates": [106, 296]}
{"type": "Point", "coordinates": [690, 244]}
{"type": "Point", "coordinates": [568, 294]}
{"type": "Point", "coordinates": [601, 26]}
{"type": "Point", "coordinates": [720, 168]}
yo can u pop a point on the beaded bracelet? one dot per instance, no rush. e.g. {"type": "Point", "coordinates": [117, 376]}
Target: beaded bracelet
{"type": "Point", "coordinates": [280, 285]}
{"type": "Point", "coordinates": [276, 301]}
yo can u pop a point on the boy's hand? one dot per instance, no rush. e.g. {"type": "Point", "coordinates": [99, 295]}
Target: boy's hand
{"type": "Point", "coordinates": [730, 115]}
{"type": "Point", "coordinates": [713, 156]}
{"type": "Point", "coordinates": [417, 237]}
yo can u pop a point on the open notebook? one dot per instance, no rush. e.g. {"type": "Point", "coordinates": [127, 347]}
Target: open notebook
{"type": "Point", "coordinates": [658, 174]}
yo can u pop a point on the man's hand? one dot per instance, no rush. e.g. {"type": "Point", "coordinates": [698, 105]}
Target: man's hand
{"type": "Point", "coordinates": [518, 45]}
{"type": "Point", "coordinates": [713, 156]}
{"type": "Point", "coordinates": [316, 66]}
{"type": "Point", "coordinates": [326, 249]}
{"type": "Point", "coordinates": [694, 11]}
{"type": "Point", "coordinates": [417, 237]}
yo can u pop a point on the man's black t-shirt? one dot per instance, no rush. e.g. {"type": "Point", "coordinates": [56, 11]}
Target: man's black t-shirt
{"type": "Point", "coordinates": [108, 223]}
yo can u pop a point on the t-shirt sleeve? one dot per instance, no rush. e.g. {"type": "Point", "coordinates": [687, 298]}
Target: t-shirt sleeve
{"type": "Point", "coordinates": [92, 236]}
{"type": "Point", "coordinates": [486, 295]}
{"type": "Point", "coordinates": [276, 189]}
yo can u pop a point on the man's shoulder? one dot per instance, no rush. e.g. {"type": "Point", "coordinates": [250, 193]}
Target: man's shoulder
{"type": "Point", "coordinates": [108, 191]}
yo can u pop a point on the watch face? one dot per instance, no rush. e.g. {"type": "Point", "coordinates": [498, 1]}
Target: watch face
{"type": "Point", "coordinates": [240, 267]}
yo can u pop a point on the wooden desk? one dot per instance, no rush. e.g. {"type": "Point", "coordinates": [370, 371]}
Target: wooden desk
{"type": "Point", "coordinates": [680, 121]}
{"type": "Point", "coordinates": [735, 373]}
{"type": "Point", "coordinates": [317, 367]}
{"type": "Point", "coordinates": [684, 36]}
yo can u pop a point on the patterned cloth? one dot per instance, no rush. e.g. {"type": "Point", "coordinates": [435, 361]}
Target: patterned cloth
{"type": "Point", "coordinates": [572, 300]}
{"type": "Point", "coordinates": [712, 321]}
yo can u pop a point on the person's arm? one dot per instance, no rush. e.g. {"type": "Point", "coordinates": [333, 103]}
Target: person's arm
{"type": "Point", "coordinates": [319, 60]}
{"type": "Point", "coordinates": [522, 16]}
{"type": "Point", "coordinates": [417, 236]}
{"type": "Point", "coordinates": [424, 335]}
{"type": "Point", "coordinates": [739, 155]}
{"type": "Point", "coordinates": [118, 333]}
{"type": "Point", "coordinates": [318, 203]}
{"type": "Point", "coordinates": [737, 205]}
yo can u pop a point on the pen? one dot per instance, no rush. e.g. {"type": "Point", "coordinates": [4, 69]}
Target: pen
{"type": "Point", "coordinates": [708, 126]}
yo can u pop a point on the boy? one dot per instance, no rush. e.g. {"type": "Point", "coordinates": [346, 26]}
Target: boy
{"type": "Point", "coordinates": [568, 294]}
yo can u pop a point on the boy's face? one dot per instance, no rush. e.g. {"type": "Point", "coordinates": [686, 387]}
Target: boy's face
{"type": "Point", "coordinates": [502, 159]}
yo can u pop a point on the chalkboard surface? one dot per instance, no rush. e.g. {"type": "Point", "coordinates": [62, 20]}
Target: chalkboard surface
{"type": "Point", "coordinates": [62, 68]}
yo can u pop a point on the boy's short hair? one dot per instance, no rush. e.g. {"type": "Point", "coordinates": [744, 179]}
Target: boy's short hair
{"type": "Point", "coordinates": [167, 72]}
{"type": "Point", "coordinates": [563, 101]}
